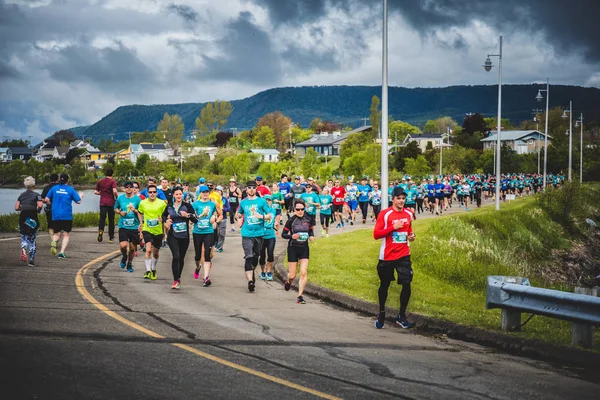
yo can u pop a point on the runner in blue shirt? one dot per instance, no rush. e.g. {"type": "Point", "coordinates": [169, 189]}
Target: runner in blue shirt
{"type": "Point", "coordinates": [267, 256]}
{"type": "Point", "coordinates": [129, 223]}
{"type": "Point", "coordinates": [439, 196]}
{"type": "Point", "coordinates": [326, 203]}
{"type": "Point", "coordinates": [411, 199]}
{"type": "Point", "coordinates": [208, 216]}
{"type": "Point", "coordinates": [285, 188]}
{"type": "Point", "coordinates": [312, 202]}
{"type": "Point", "coordinates": [363, 198]}
{"type": "Point", "coordinates": [62, 196]}
{"type": "Point", "coordinates": [431, 195]}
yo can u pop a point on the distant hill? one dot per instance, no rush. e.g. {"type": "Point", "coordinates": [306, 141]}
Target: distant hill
{"type": "Point", "coordinates": [349, 104]}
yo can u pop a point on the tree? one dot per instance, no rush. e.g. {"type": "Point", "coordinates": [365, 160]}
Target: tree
{"type": "Point", "coordinates": [399, 129]}
{"type": "Point", "coordinates": [375, 116]}
{"type": "Point", "coordinates": [142, 161]}
{"type": "Point", "coordinates": [314, 124]}
{"type": "Point", "coordinates": [440, 125]}
{"type": "Point", "coordinates": [264, 138]}
{"type": "Point", "coordinates": [14, 143]}
{"type": "Point", "coordinates": [213, 116]}
{"type": "Point", "coordinates": [327, 126]}
{"type": "Point", "coordinates": [280, 127]}
{"type": "Point", "coordinates": [417, 167]}
{"type": "Point", "coordinates": [493, 125]}
{"type": "Point", "coordinates": [353, 144]}
{"type": "Point", "coordinates": [61, 138]}
{"type": "Point", "coordinates": [140, 137]}
{"type": "Point", "coordinates": [125, 168]}
{"type": "Point", "coordinates": [310, 163]}
{"type": "Point", "coordinates": [73, 154]}
{"type": "Point", "coordinates": [410, 151]}
{"type": "Point", "coordinates": [474, 123]}
{"type": "Point", "coordinates": [222, 138]}
{"type": "Point", "coordinates": [171, 129]}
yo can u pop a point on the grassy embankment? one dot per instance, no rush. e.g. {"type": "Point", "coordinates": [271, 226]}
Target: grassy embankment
{"type": "Point", "coordinates": [452, 257]}
{"type": "Point", "coordinates": [10, 222]}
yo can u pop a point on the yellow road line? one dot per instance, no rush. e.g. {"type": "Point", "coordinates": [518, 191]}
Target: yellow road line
{"type": "Point", "coordinates": [79, 283]}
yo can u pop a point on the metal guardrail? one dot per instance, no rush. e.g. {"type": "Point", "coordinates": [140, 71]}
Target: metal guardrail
{"type": "Point", "coordinates": [515, 295]}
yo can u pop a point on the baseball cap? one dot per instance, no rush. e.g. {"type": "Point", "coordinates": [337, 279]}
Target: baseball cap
{"type": "Point", "coordinates": [398, 191]}
{"type": "Point", "coordinates": [267, 197]}
{"type": "Point", "coordinates": [201, 180]}
{"type": "Point", "coordinates": [251, 183]}
{"type": "Point", "coordinates": [296, 178]}
{"type": "Point", "coordinates": [259, 178]}
{"type": "Point", "coordinates": [209, 183]}
{"type": "Point", "coordinates": [128, 184]}
{"type": "Point", "coordinates": [219, 187]}
{"type": "Point", "coordinates": [310, 179]}
{"type": "Point", "coordinates": [203, 188]}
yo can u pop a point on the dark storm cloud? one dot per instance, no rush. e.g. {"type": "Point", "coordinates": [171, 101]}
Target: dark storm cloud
{"type": "Point", "coordinates": [247, 55]}
{"type": "Point", "coordinates": [569, 27]}
{"type": "Point", "coordinates": [8, 71]}
{"type": "Point", "coordinates": [184, 11]}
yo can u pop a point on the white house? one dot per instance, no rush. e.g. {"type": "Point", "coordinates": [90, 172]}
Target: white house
{"type": "Point", "coordinates": [327, 142]}
{"type": "Point", "coordinates": [160, 151]}
{"type": "Point", "coordinates": [194, 151]}
{"type": "Point", "coordinates": [80, 144]}
{"type": "Point", "coordinates": [435, 140]}
{"type": "Point", "coordinates": [60, 152]}
{"type": "Point", "coordinates": [267, 155]}
{"type": "Point", "coordinates": [523, 142]}
{"type": "Point", "coordinates": [5, 154]}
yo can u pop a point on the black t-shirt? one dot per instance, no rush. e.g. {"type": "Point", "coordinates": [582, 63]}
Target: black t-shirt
{"type": "Point", "coordinates": [29, 200]}
{"type": "Point", "coordinates": [45, 193]}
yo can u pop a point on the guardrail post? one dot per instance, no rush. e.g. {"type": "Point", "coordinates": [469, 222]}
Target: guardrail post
{"type": "Point", "coordinates": [511, 320]}
{"type": "Point", "coordinates": [583, 334]}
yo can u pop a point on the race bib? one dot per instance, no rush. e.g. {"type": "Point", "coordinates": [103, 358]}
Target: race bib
{"type": "Point", "coordinates": [233, 199]}
{"type": "Point", "coordinates": [297, 195]}
{"type": "Point", "coordinates": [179, 227]}
{"type": "Point", "coordinates": [129, 221]}
{"type": "Point", "coordinates": [276, 206]}
{"type": "Point", "coordinates": [376, 202]}
{"type": "Point", "coordinates": [310, 209]}
{"type": "Point", "coordinates": [202, 223]}
{"type": "Point", "coordinates": [399, 237]}
{"type": "Point", "coordinates": [152, 222]}
{"type": "Point", "coordinates": [303, 236]}
{"type": "Point", "coordinates": [339, 199]}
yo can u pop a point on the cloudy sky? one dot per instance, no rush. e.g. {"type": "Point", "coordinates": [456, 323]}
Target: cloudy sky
{"type": "Point", "coordinates": [65, 63]}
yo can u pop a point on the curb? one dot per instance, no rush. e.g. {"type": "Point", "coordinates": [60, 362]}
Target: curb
{"type": "Point", "coordinates": [563, 356]}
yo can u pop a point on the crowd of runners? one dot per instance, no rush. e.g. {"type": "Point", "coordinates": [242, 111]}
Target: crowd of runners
{"type": "Point", "coordinates": [156, 214]}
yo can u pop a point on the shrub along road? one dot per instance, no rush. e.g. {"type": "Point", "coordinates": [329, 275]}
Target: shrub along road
{"type": "Point", "coordinates": [83, 328]}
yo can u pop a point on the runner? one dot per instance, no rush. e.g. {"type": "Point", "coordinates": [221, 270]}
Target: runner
{"type": "Point", "coordinates": [439, 196]}
{"type": "Point", "coordinates": [62, 197]}
{"type": "Point", "coordinates": [421, 192]}
{"type": "Point", "coordinates": [316, 188]}
{"type": "Point", "coordinates": [395, 228]}
{"type": "Point", "coordinates": [478, 187]}
{"type": "Point", "coordinates": [222, 225]}
{"type": "Point", "coordinates": [136, 191]}
{"type": "Point", "coordinates": [311, 200]}
{"type": "Point", "coordinates": [351, 200]}
{"type": "Point", "coordinates": [268, 247]}
{"type": "Point", "coordinates": [188, 196]}
{"type": "Point", "coordinates": [28, 205]}
{"type": "Point", "coordinates": [375, 196]}
{"type": "Point", "coordinates": [299, 230]}
{"type": "Point", "coordinates": [297, 189]}
{"type": "Point", "coordinates": [255, 212]}
{"type": "Point", "coordinates": [50, 223]}
{"type": "Point", "coordinates": [430, 195]}
{"type": "Point", "coordinates": [261, 189]}
{"type": "Point", "coordinates": [364, 190]}
{"type": "Point", "coordinates": [466, 189]}
{"type": "Point", "coordinates": [177, 225]}
{"type": "Point", "coordinates": [286, 191]}
{"type": "Point", "coordinates": [338, 193]}
{"type": "Point", "coordinates": [209, 215]}
{"type": "Point", "coordinates": [106, 188]}
{"type": "Point", "coordinates": [126, 206]}
{"type": "Point", "coordinates": [278, 201]}
{"type": "Point", "coordinates": [326, 201]}
{"type": "Point", "coordinates": [152, 210]}
{"type": "Point", "coordinates": [166, 189]}
{"type": "Point", "coordinates": [234, 194]}
{"type": "Point", "coordinates": [152, 182]}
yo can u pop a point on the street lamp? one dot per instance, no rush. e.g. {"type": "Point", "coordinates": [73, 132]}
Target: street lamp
{"type": "Point", "coordinates": [539, 97]}
{"type": "Point", "coordinates": [488, 67]}
{"type": "Point", "coordinates": [579, 124]}
{"type": "Point", "coordinates": [536, 112]}
{"type": "Point", "coordinates": [570, 133]}
{"type": "Point", "coordinates": [384, 108]}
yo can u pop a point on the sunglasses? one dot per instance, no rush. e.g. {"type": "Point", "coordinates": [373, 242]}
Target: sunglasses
{"type": "Point", "coordinates": [128, 187]}
{"type": "Point", "coordinates": [299, 209]}
{"type": "Point", "coordinates": [136, 187]}
{"type": "Point", "coordinates": [152, 192]}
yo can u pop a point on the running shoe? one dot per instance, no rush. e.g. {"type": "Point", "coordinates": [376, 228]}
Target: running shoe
{"type": "Point", "coordinates": [338, 226]}
{"type": "Point", "coordinates": [135, 254]}
{"type": "Point", "coordinates": [342, 224]}
{"type": "Point", "coordinates": [62, 256]}
{"type": "Point", "coordinates": [196, 273]}
{"type": "Point", "coordinates": [466, 208]}
{"type": "Point", "coordinates": [380, 321]}
{"type": "Point", "coordinates": [53, 248]}
{"type": "Point", "coordinates": [176, 285]}
{"type": "Point", "coordinates": [153, 274]}
{"type": "Point", "coordinates": [287, 285]}
{"type": "Point", "coordinates": [207, 281]}
{"type": "Point", "coordinates": [23, 255]}
{"type": "Point", "coordinates": [402, 322]}
{"type": "Point", "coordinates": [232, 229]}
{"type": "Point", "coordinates": [251, 286]}
{"type": "Point", "coordinates": [300, 300]}
{"type": "Point", "coordinates": [263, 276]}
{"type": "Point", "coordinates": [130, 268]}
{"type": "Point", "coordinates": [323, 232]}
{"type": "Point", "coordinates": [351, 222]}
{"type": "Point", "coordinates": [364, 221]}
{"type": "Point", "coordinates": [147, 275]}
{"type": "Point", "coordinates": [220, 250]}
{"type": "Point", "coordinates": [111, 241]}
{"type": "Point", "coordinates": [100, 236]}
{"type": "Point", "coordinates": [31, 264]}
{"type": "Point", "coordinates": [123, 265]}
{"type": "Point", "coordinates": [327, 235]}
{"type": "Point", "coordinates": [269, 276]}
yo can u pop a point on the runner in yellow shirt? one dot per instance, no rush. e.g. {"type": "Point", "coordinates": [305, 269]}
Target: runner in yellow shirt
{"type": "Point", "coordinates": [152, 210]}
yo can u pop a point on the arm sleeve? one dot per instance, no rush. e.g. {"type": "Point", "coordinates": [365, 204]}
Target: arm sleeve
{"type": "Point", "coordinates": [287, 229]}
{"type": "Point", "coordinates": [379, 232]}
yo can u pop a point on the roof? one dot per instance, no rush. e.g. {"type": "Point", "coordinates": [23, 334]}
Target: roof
{"type": "Point", "coordinates": [427, 136]}
{"type": "Point", "coordinates": [265, 151]}
{"type": "Point", "coordinates": [62, 149]}
{"type": "Point", "coordinates": [324, 140]}
{"type": "Point", "coordinates": [21, 150]}
{"type": "Point", "coordinates": [4, 150]}
{"type": "Point", "coordinates": [152, 146]}
{"type": "Point", "coordinates": [513, 135]}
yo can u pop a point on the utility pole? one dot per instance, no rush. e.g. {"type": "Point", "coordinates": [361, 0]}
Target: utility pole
{"type": "Point", "coordinates": [365, 119]}
{"type": "Point", "coordinates": [536, 112]}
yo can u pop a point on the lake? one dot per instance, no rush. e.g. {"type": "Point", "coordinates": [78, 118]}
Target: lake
{"type": "Point", "coordinates": [8, 197]}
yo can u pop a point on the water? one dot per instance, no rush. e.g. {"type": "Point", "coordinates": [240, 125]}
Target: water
{"type": "Point", "coordinates": [8, 198]}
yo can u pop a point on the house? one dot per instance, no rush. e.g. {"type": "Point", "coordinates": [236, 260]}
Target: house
{"type": "Point", "coordinates": [158, 151]}
{"type": "Point", "coordinates": [266, 155]}
{"type": "Point", "coordinates": [327, 142]}
{"type": "Point", "coordinates": [433, 140]}
{"type": "Point", "coordinates": [96, 158]}
{"type": "Point", "coordinates": [21, 153]}
{"type": "Point", "coordinates": [80, 144]}
{"type": "Point", "coordinates": [523, 142]}
{"type": "Point", "coordinates": [194, 151]}
{"type": "Point", "coordinates": [60, 152]}
{"type": "Point", "coordinates": [5, 154]}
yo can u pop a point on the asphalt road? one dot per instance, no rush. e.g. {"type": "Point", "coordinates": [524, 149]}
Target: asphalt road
{"type": "Point", "coordinates": [84, 328]}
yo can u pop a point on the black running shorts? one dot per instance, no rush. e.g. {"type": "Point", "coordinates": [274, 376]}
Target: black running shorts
{"type": "Point", "coordinates": [402, 266]}
{"type": "Point", "coordinates": [129, 235]}
{"type": "Point", "coordinates": [62, 225]}
{"type": "Point", "coordinates": [296, 253]}
{"type": "Point", "coordinates": [155, 240]}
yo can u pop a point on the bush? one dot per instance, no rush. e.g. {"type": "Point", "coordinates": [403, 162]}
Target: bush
{"type": "Point", "coordinates": [10, 222]}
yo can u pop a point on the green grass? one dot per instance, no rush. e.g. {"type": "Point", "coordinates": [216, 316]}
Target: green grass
{"type": "Point", "coordinates": [10, 222]}
{"type": "Point", "coordinates": [452, 257]}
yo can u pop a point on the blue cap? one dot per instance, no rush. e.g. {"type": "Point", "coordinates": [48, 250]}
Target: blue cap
{"type": "Point", "coordinates": [203, 188]}
{"type": "Point", "coordinates": [201, 180]}
{"type": "Point", "coordinates": [267, 197]}
{"type": "Point", "coordinates": [259, 178]}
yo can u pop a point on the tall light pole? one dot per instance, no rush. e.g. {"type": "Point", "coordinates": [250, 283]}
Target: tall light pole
{"type": "Point", "coordinates": [579, 123]}
{"type": "Point", "coordinates": [570, 133]}
{"type": "Point", "coordinates": [488, 67]}
{"type": "Point", "coordinates": [539, 97]}
{"type": "Point", "coordinates": [536, 112]}
{"type": "Point", "coordinates": [384, 110]}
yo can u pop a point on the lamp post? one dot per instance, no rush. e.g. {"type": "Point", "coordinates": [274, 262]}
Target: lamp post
{"type": "Point", "coordinates": [384, 109]}
{"type": "Point", "coordinates": [536, 112]}
{"type": "Point", "coordinates": [539, 97]}
{"type": "Point", "coordinates": [488, 67]}
{"type": "Point", "coordinates": [579, 123]}
{"type": "Point", "coordinates": [570, 133]}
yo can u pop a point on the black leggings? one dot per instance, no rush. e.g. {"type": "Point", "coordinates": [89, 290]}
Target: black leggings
{"type": "Point", "coordinates": [404, 296]}
{"type": "Point", "coordinates": [110, 212]}
{"type": "Point", "coordinates": [206, 239]}
{"type": "Point", "coordinates": [232, 210]}
{"type": "Point", "coordinates": [419, 206]}
{"type": "Point", "coordinates": [179, 248]}
{"type": "Point", "coordinates": [364, 208]}
{"type": "Point", "coordinates": [325, 218]}
{"type": "Point", "coordinates": [376, 210]}
{"type": "Point", "coordinates": [267, 251]}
